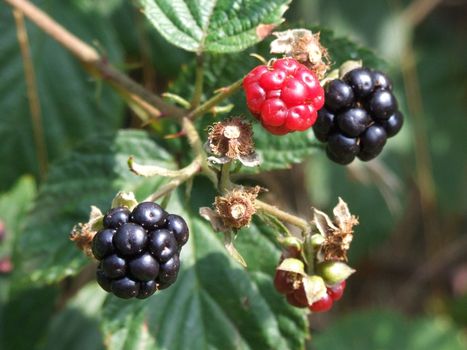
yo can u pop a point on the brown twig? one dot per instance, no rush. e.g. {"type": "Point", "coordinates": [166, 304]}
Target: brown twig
{"type": "Point", "coordinates": [96, 64]}
{"type": "Point", "coordinates": [33, 96]}
{"type": "Point", "coordinates": [418, 10]}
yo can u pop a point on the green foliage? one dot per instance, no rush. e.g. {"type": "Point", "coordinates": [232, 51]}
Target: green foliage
{"type": "Point", "coordinates": [388, 330]}
{"type": "Point", "coordinates": [80, 316]}
{"type": "Point", "coordinates": [72, 107]}
{"type": "Point", "coordinates": [13, 208]}
{"type": "Point", "coordinates": [213, 25]}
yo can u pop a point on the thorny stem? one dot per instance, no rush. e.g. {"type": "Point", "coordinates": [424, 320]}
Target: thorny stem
{"type": "Point", "coordinates": [199, 80]}
{"type": "Point", "coordinates": [224, 93]}
{"type": "Point", "coordinates": [282, 215]}
{"type": "Point", "coordinates": [33, 96]}
{"type": "Point", "coordinates": [98, 66]}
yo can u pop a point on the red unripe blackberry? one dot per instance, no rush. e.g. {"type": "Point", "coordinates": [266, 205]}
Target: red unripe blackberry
{"type": "Point", "coordinates": [284, 96]}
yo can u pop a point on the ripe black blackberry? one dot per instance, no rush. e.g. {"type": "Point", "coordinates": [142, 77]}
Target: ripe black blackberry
{"type": "Point", "coordinates": [360, 113]}
{"type": "Point", "coordinates": [138, 251]}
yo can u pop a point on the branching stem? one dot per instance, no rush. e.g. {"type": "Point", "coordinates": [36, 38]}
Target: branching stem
{"type": "Point", "coordinates": [224, 93]}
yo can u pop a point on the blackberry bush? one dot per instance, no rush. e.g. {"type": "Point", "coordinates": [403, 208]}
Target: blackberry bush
{"type": "Point", "coordinates": [203, 139]}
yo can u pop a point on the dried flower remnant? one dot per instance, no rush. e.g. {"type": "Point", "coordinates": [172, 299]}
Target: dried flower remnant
{"type": "Point", "coordinates": [232, 139]}
{"type": "Point", "coordinates": [236, 207]}
{"type": "Point", "coordinates": [83, 233]}
{"type": "Point", "coordinates": [337, 233]}
{"type": "Point", "coordinates": [304, 46]}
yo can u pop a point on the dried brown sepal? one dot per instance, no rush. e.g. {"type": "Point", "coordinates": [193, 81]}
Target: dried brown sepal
{"type": "Point", "coordinates": [83, 233]}
{"type": "Point", "coordinates": [337, 233]}
{"type": "Point", "coordinates": [305, 47]}
{"type": "Point", "coordinates": [237, 207]}
{"type": "Point", "coordinates": [232, 138]}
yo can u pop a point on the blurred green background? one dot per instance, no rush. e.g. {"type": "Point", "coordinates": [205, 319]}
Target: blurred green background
{"type": "Point", "coordinates": [410, 249]}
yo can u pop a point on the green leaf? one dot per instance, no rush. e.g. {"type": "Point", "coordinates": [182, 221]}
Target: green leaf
{"type": "Point", "coordinates": [13, 207]}
{"type": "Point", "coordinates": [72, 107]}
{"type": "Point", "coordinates": [387, 330]}
{"type": "Point", "coordinates": [214, 25]}
{"type": "Point", "coordinates": [24, 318]}
{"type": "Point", "coordinates": [280, 152]}
{"type": "Point", "coordinates": [91, 175]}
{"type": "Point", "coordinates": [76, 327]}
{"type": "Point", "coordinates": [215, 303]}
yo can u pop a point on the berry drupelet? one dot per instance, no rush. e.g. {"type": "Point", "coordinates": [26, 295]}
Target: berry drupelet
{"type": "Point", "coordinates": [138, 251]}
{"type": "Point", "coordinates": [360, 113]}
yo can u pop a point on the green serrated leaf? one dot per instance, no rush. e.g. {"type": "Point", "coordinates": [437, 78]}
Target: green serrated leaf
{"type": "Point", "coordinates": [214, 25]}
{"type": "Point", "coordinates": [91, 175]}
{"type": "Point", "coordinates": [70, 108]}
{"type": "Point", "coordinates": [125, 326]}
{"type": "Point", "coordinates": [215, 304]}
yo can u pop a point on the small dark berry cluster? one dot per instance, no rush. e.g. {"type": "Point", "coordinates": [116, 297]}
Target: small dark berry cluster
{"type": "Point", "coordinates": [285, 96]}
{"type": "Point", "coordinates": [360, 113]}
{"type": "Point", "coordinates": [139, 250]}
{"type": "Point", "coordinates": [285, 283]}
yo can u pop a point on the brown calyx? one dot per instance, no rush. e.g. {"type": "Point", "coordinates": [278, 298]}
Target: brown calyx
{"type": "Point", "coordinates": [236, 207]}
{"type": "Point", "coordinates": [82, 235]}
{"type": "Point", "coordinates": [232, 138]}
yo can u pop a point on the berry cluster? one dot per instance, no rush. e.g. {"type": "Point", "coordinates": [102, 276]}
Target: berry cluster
{"type": "Point", "coordinates": [139, 250]}
{"type": "Point", "coordinates": [284, 96]}
{"type": "Point", "coordinates": [286, 283]}
{"type": "Point", "coordinates": [359, 115]}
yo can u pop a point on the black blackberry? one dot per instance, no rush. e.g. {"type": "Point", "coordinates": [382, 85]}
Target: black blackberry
{"type": "Point", "coordinates": [138, 251]}
{"type": "Point", "coordinates": [360, 113]}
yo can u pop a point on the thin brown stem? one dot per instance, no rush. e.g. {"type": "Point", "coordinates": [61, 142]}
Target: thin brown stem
{"type": "Point", "coordinates": [216, 99]}
{"type": "Point", "coordinates": [282, 215]}
{"type": "Point", "coordinates": [418, 10]}
{"type": "Point", "coordinates": [33, 96]}
{"type": "Point", "coordinates": [97, 65]}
